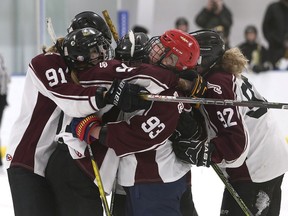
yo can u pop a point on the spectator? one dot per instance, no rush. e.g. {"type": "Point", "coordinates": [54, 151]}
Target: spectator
{"type": "Point", "coordinates": [182, 24]}
{"type": "Point", "coordinates": [213, 15]}
{"type": "Point", "coordinates": [275, 27]}
{"type": "Point", "coordinates": [4, 80]}
{"type": "Point", "coordinates": [282, 63]}
{"type": "Point", "coordinates": [220, 30]}
{"type": "Point", "coordinates": [255, 52]}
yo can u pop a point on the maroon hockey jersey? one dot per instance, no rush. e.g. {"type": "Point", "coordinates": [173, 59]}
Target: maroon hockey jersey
{"type": "Point", "coordinates": [249, 145]}
{"type": "Point", "coordinates": [141, 136]}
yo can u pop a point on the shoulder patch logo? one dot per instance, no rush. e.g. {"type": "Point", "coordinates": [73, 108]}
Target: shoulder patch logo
{"type": "Point", "coordinates": [216, 88]}
{"type": "Point", "coordinates": [103, 64]}
{"type": "Point", "coordinates": [180, 105]}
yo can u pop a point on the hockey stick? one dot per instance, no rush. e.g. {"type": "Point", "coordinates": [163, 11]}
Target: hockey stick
{"type": "Point", "coordinates": [116, 39]}
{"type": "Point", "coordinates": [232, 191]}
{"type": "Point", "coordinates": [99, 182]}
{"type": "Point", "coordinates": [212, 101]}
{"type": "Point", "coordinates": [111, 25]}
{"type": "Point", "coordinates": [50, 30]}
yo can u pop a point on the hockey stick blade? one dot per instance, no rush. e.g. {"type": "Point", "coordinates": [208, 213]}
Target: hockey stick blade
{"type": "Point", "coordinates": [212, 101]}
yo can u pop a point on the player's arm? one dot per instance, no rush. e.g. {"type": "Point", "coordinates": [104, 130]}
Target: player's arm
{"type": "Point", "coordinates": [228, 142]}
{"type": "Point", "coordinates": [228, 129]}
{"type": "Point", "coordinates": [54, 81]}
{"type": "Point", "coordinates": [144, 131]}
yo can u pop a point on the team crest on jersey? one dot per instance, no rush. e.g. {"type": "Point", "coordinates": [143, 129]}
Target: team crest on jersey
{"type": "Point", "coordinates": [78, 153]}
{"type": "Point", "coordinates": [124, 68]}
{"type": "Point", "coordinates": [216, 88]}
{"type": "Point", "coordinates": [9, 157]}
{"type": "Point", "coordinates": [103, 64]}
{"type": "Point", "coordinates": [180, 104]}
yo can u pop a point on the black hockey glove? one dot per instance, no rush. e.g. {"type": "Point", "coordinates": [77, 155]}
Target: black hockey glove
{"type": "Point", "coordinates": [100, 100]}
{"type": "Point", "coordinates": [193, 151]}
{"type": "Point", "coordinates": [126, 96]}
{"type": "Point", "coordinates": [187, 127]}
{"type": "Point", "coordinates": [199, 85]}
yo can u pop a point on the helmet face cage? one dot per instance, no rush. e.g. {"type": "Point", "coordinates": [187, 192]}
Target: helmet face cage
{"type": "Point", "coordinates": [131, 48]}
{"type": "Point", "coordinates": [156, 51]}
{"type": "Point", "coordinates": [84, 48]}
{"type": "Point", "coordinates": [93, 20]}
{"type": "Point", "coordinates": [212, 48]}
{"type": "Point", "coordinates": [174, 49]}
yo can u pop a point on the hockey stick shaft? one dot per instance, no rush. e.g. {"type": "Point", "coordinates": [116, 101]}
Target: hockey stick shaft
{"type": "Point", "coordinates": [232, 191]}
{"type": "Point", "coordinates": [99, 182]}
{"type": "Point", "coordinates": [212, 101]}
{"type": "Point", "coordinates": [116, 39]}
{"type": "Point", "coordinates": [111, 25]}
{"type": "Point", "coordinates": [50, 30]}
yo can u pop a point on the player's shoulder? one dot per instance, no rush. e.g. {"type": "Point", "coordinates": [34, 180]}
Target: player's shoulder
{"type": "Point", "coordinates": [221, 78]}
{"type": "Point", "coordinates": [47, 56]}
{"type": "Point", "coordinates": [48, 60]}
{"type": "Point", "coordinates": [110, 63]}
{"type": "Point", "coordinates": [221, 84]}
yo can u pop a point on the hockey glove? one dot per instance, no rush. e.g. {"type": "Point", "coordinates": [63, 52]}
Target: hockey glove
{"type": "Point", "coordinates": [82, 127]}
{"type": "Point", "coordinates": [187, 127]}
{"type": "Point", "coordinates": [196, 152]}
{"type": "Point", "coordinates": [199, 85]}
{"type": "Point", "coordinates": [126, 96]}
{"type": "Point", "coordinates": [100, 100]}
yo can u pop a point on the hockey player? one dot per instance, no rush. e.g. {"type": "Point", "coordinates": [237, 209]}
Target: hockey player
{"type": "Point", "coordinates": [123, 53]}
{"type": "Point", "coordinates": [244, 141]}
{"type": "Point", "coordinates": [49, 88]}
{"type": "Point", "coordinates": [70, 197]}
{"type": "Point", "coordinates": [145, 145]}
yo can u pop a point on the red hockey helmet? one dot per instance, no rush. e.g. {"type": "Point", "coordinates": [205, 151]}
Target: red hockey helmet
{"type": "Point", "coordinates": [181, 48]}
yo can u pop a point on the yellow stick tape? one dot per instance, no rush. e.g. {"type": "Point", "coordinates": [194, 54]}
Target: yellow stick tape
{"type": "Point", "coordinates": [3, 151]}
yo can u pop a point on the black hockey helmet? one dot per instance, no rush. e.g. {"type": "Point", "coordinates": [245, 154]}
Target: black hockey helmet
{"type": "Point", "coordinates": [85, 47]}
{"type": "Point", "coordinates": [93, 20]}
{"type": "Point", "coordinates": [212, 47]}
{"type": "Point", "coordinates": [131, 48]}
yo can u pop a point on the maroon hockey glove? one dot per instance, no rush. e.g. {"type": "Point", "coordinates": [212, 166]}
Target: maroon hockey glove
{"type": "Point", "coordinates": [82, 127]}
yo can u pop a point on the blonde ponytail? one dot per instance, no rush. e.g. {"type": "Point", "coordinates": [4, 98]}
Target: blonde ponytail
{"type": "Point", "coordinates": [233, 61]}
{"type": "Point", "coordinates": [53, 49]}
